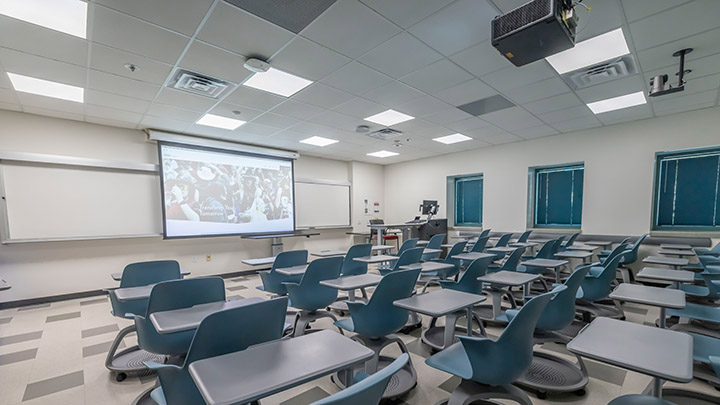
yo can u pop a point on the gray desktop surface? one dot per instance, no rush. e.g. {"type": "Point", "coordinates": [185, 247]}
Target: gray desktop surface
{"type": "Point", "coordinates": [653, 296]}
{"type": "Point", "coordinates": [133, 293]}
{"type": "Point", "coordinates": [329, 253]}
{"type": "Point", "coordinates": [676, 252]}
{"type": "Point", "coordinates": [353, 282]}
{"type": "Point", "coordinates": [574, 254]}
{"type": "Point", "coordinates": [293, 270]}
{"type": "Point", "coordinates": [678, 246]}
{"type": "Point", "coordinates": [510, 278]}
{"type": "Point", "coordinates": [681, 276]}
{"type": "Point", "coordinates": [503, 249]}
{"type": "Point", "coordinates": [547, 263]}
{"type": "Point", "coordinates": [602, 243]}
{"type": "Point", "coordinates": [266, 369]}
{"type": "Point", "coordinates": [523, 244]}
{"type": "Point", "coordinates": [670, 261]}
{"type": "Point", "coordinates": [648, 350]}
{"type": "Point", "coordinates": [377, 259]}
{"type": "Point", "coordinates": [179, 320]}
{"type": "Point", "coordinates": [439, 302]}
{"type": "Point", "coordinates": [583, 248]}
{"type": "Point", "coordinates": [473, 256]}
{"type": "Point", "coordinates": [428, 251]}
{"type": "Point", "coordinates": [382, 247]}
{"type": "Point", "coordinates": [427, 267]}
{"type": "Point", "coordinates": [259, 261]}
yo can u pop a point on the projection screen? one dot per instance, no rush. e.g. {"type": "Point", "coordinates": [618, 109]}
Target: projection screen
{"type": "Point", "coordinates": [214, 192]}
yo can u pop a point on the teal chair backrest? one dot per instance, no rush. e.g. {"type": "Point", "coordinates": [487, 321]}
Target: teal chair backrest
{"type": "Point", "coordinates": [524, 237]}
{"type": "Point", "coordinates": [352, 267]}
{"type": "Point", "coordinates": [556, 247]}
{"type": "Point", "coordinates": [712, 281]}
{"type": "Point", "coordinates": [380, 317]}
{"type": "Point", "coordinates": [618, 249]}
{"type": "Point", "coordinates": [455, 250]}
{"type": "Point", "coordinates": [272, 280]}
{"type": "Point", "coordinates": [220, 333]}
{"type": "Point", "coordinates": [504, 239]}
{"type": "Point", "coordinates": [310, 295]}
{"type": "Point", "coordinates": [505, 360]}
{"type": "Point", "coordinates": [512, 261]}
{"type": "Point", "coordinates": [370, 390]}
{"type": "Point", "coordinates": [484, 233]}
{"type": "Point", "coordinates": [170, 295]}
{"type": "Point", "coordinates": [632, 255]}
{"type": "Point", "coordinates": [545, 251]}
{"type": "Point", "coordinates": [560, 311]}
{"type": "Point", "coordinates": [436, 241]}
{"type": "Point", "coordinates": [289, 259]}
{"type": "Point", "coordinates": [146, 273]}
{"type": "Point", "coordinates": [571, 240]}
{"type": "Point", "coordinates": [480, 244]}
{"type": "Point", "coordinates": [598, 287]}
{"type": "Point", "coordinates": [410, 256]}
{"type": "Point", "coordinates": [407, 244]}
{"type": "Point", "coordinates": [469, 280]}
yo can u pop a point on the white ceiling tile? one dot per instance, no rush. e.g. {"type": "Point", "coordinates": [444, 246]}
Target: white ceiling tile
{"type": "Point", "coordinates": [537, 91]}
{"type": "Point", "coordinates": [115, 101]}
{"type": "Point", "coordinates": [129, 34]}
{"type": "Point", "coordinates": [185, 100]}
{"type": "Point", "coordinates": [535, 132]}
{"type": "Point", "coordinates": [150, 122]}
{"type": "Point", "coordinates": [692, 107]}
{"type": "Point", "coordinates": [502, 139]}
{"type": "Point", "coordinates": [175, 113]}
{"type": "Point", "coordinates": [438, 76]}
{"type": "Point", "coordinates": [238, 136]}
{"type": "Point", "coordinates": [511, 119]}
{"type": "Point", "coordinates": [49, 103]}
{"type": "Point", "coordinates": [680, 101]}
{"type": "Point", "coordinates": [37, 40]}
{"type": "Point", "coordinates": [206, 131]}
{"type": "Point", "coordinates": [400, 55]}
{"type": "Point", "coordinates": [701, 84]}
{"type": "Point", "coordinates": [393, 94]}
{"type": "Point", "coordinates": [356, 78]}
{"type": "Point", "coordinates": [337, 120]}
{"type": "Point", "coordinates": [298, 110]}
{"type": "Point", "coordinates": [626, 85]}
{"type": "Point", "coordinates": [698, 15]}
{"type": "Point", "coordinates": [457, 26]}
{"type": "Point", "coordinates": [515, 77]}
{"type": "Point", "coordinates": [554, 103]}
{"type": "Point", "coordinates": [112, 114]}
{"type": "Point", "coordinates": [423, 106]}
{"type": "Point", "coordinates": [315, 129]}
{"type": "Point", "coordinates": [290, 135]}
{"type": "Point", "coordinates": [120, 85]}
{"type": "Point", "coordinates": [703, 45]}
{"type": "Point", "coordinates": [577, 124]}
{"type": "Point", "coordinates": [637, 112]}
{"type": "Point", "coordinates": [113, 61]}
{"type": "Point", "coordinates": [254, 98]}
{"type": "Point", "coordinates": [109, 122]}
{"type": "Point", "coordinates": [605, 16]}
{"type": "Point", "coordinates": [7, 96]}
{"type": "Point", "coordinates": [566, 114]}
{"type": "Point", "coordinates": [481, 59]}
{"type": "Point", "coordinates": [4, 80]}
{"type": "Point", "coordinates": [467, 124]}
{"type": "Point", "coordinates": [241, 32]}
{"type": "Point", "coordinates": [466, 92]}
{"type": "Point", "coordinates": [308, 59]}
{"type": "Point", "coordinates": [178, 15]}
{"type": "Point", "coordinates": [350, 28]}
{"type": "Point", "coordinates": [447, 116]}
{"type": "Point", "coordinates": [54, 113]}
{"type": "Point", "coordinates": [10, 106]}
{"type": "Point", "coordinates": [322, 96]}
{"type": "Point", "coordinates": [406, 12]}
{"type": "Point", "coordinates": [215, 62]}
{"type": "Point", "coordinates": [418, 126]}
{"type": "Point", "coordinates": [42, 68]}
{"type": "Point", "coordinates": [258, 129]}
{"type": "Point", "coordinates": [361, 108]}
{"type": "Point", "coordinates": [229, 110]}
{"type": "Point", "coordinates": [276, 120]}
{"type": "Point", "coordinates": [637, 9]}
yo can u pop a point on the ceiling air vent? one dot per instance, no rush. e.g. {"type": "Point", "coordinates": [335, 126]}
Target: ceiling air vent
{"type": "Point", "coordinates": [385, 134]}
{"type": "Point", "coordinates": [601, 73]}
{"type": "Point", "coordinates": [195, 83]}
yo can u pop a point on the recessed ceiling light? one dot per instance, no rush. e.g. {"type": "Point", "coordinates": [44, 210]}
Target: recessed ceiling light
{"type": "Point", "coordinates": [590, 52]}
{"type": "Point", "coordinates": [382, 154]}
{"type": "Point", "coordinates": [212, 120]}
{"type": "Point", "coordinates": [277, 82]}
{"type": "Point", "coordinates": [318, 141]}
{"type": "Point", "coordinates": [27, 84]}
{"type": "Point", "coordinates": [389, 117]}
{"type": "Point", "coordinates": [450, 139]}
{"type": "Point", "coordinates": [617, 103]}
{"type": "Point", "coordinates": [68, 16]}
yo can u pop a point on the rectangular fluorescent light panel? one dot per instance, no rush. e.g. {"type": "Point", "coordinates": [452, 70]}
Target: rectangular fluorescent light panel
{"type": "Point", "coordinates": [277, 82]}
{"type": "Point", "coordinates": [617, 103]}
{"type": "Point", "coordinates": [382, 154]}
{"type": "Point", "coordinates": [68, 16]}
{"type": "Point", "coordinates": [389, 117]}
{"type": "Point", "coordinates": [217, 121]}
{"type": "Point", "coordinates": [27, 84]}
{"type": "Point", "coordinates": [318, 141]}
{"type": "Point", "coordinates": [590, 52]}
{"type": "Point", "coordinates": [450, 139]}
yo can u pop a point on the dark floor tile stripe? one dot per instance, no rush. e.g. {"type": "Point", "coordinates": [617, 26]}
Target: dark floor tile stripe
{"type": "Point", "coordinates": [18, 356]}
{"type": "Point", "coordinates": [237, 288]}
{"type": "Point", "coordinates": [91, 302]}
{"type": "Point", "coordinates": [23, 337]}
{"type": "Point", "coordinates": [62, 317]}
{"type": "Point", "coordinates": [99, 330]}
{"type": "Point", "coordinates": [99, 348]}
{"type": "Point", "coordinates": [53, 385]}
{"type": "Point", "coordinates": [5, 320]}
{"type": "Point", "coordinates": [238, 280]}
{"type": "Point", "coordinates": [307, 397]}
{"type": "Point", "coordinates": [36, 306]}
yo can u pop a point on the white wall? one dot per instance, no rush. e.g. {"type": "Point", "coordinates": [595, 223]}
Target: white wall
{"type": "Point", "coordinates": [52, 268]}
{"type": "Point", "coordinates": [619, 164]}
{"type": "Point", "coordinates": [368, 184]}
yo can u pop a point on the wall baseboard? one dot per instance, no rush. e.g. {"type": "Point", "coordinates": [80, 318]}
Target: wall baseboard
{"type": "Point", "coordinates": [93, 293]}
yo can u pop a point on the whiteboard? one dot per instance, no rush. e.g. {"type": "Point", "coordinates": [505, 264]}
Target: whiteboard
{"type": "Point", "coordinates": [322, 204]}
{"type": "Point", "coordinates": [51, 201]}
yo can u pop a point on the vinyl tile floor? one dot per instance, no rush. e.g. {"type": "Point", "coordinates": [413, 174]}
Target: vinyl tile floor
{"type": "Point", "coordinates": [55, 353]}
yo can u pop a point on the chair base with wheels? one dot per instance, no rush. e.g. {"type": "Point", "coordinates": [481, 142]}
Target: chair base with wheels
{"type": "Point", "coordinates": [436, 336]}
{"type": "Point", "coordinates": [130, 360]}
{"type": "Point", "coordinates": [145, 398]}
{"type": "Point", "coordinates": [681, 396]}
{"type": "Point", "coordinates": [400, 384]}
{"type": "Point", "coordinates": [470, 392]}
{"type": "Point", "coordinates": [593, 309]}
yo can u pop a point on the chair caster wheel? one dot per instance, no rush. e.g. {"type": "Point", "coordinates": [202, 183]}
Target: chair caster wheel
{"type": "Point", "coordinates": [580, 392]}
{"type": "Point", "coordinates": [120, 377]}
{"type": "Point", "coordinates": [542, 395]}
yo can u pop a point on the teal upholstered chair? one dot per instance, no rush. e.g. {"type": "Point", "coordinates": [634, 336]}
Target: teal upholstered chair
{"type": "Point", "coordinates": [220, 333]}
{"type": "Point", "coordinates": [597, 286]}
{"type": "Point", "coordinates": [369, 390]}
{"type": "Point", "coordinates": [711, 289]}
{"type": "Point", "coordinates": [489, 368]}
{"type": "Point", "coordinates": [352, 267]}
{"type": "Point", "coordinates": [569, 242]}
{"type": "Point", "coordinates": [407, 244]}
{"type": "Point", "coordinates": [435, 242]}
{"type": "Point", "coordinates": [523, 237]}
{"type": "Point", "coordinates": [435, 276]}
{"type": "Point", "coordinates": [511, 262]}
{"type": "Point", "coordinates": [545, 251]}
{"type": "Point", "coordinates": [715, 251]}
{"type": "Point", "coordinates": [410, 256]}
{"type": "Point", "coordinates": [598, 267]}
{"type": "Point", "coordinates": [309, 296]}
{"type": "Point", "coordinates": [630, 256]}
{"type": "Point", "coordinates": [484, 233]}
{"type": "Point", "coordinates": [504, 240]}
{"type": "Point", "coordinates": [273, 281]}
{"type": "Point", "coordinates": [605, 252]}
{"type": "Point", "coordinates": [480, 244]}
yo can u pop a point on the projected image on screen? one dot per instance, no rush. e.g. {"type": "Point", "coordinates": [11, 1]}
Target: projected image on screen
{"type": "Point", "coordinates": [212, 192]}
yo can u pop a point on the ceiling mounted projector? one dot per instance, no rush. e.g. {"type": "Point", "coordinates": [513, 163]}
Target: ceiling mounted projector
{"type": "Point", "coordinates": [256, 65]}
{"type": "Point", "coordinates": [535, 30]}
{"type": "Point", "coordinates": [659, 85]}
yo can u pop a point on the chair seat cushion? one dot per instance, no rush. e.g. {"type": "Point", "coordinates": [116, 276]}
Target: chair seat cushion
{"type": "Point", "coordinates": [695, 290]}
{"type": "Point", "coordinates": [158, 396]}
{"type": "Point", "coordinates": [704, 347]}
{"type": "Point", "coordinates": [346, 324]}
{"type": "Point", "coordinates": [697, 311]}
{"type": "Point", "coordinates": [637, 399]}
{"type": "Point", "coordinates": [452, 360]}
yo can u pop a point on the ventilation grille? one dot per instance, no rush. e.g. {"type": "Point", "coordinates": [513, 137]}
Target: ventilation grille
{"type": "Point", "coordinates": [195, 83]}
{"type": "Point", "coordinates": [385, 134]}
{"type": "Point", "coordinates": [601, 73]}
{"type": "Point", "coordinates": [521, 16]}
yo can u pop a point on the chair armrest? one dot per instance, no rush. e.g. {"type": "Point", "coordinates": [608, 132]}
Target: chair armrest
{"type": "Point", "coordinates": [156, 366]}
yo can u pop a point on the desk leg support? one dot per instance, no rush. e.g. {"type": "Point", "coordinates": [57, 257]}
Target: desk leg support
{"type": "Point", "coordinates": [349, 378]}
{"type": "Point", "coordinates": [657, 387]}
{"type": "Point", "coordinates": [351, 295]}
{"type": "Point", "coordinates": [469, 315]}
{"type": "Point", "coordinates": [662, 318]}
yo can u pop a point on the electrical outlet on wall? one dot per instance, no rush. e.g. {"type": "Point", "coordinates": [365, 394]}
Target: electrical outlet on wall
{"type": "Point", "coordinates": [208, 258]}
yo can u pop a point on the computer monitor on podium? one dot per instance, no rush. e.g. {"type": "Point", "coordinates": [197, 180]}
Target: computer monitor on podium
{"type": "Point", "coordinates": [429, 208]}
